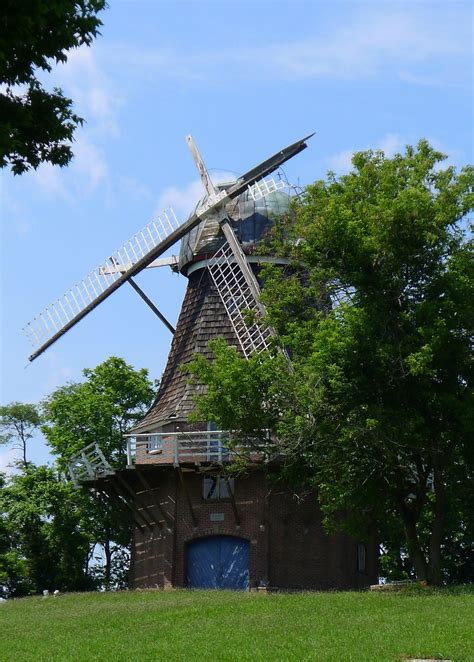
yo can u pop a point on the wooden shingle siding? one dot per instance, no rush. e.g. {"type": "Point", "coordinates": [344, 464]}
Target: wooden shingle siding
{"type": "Point", "coordinates": [202, 318]}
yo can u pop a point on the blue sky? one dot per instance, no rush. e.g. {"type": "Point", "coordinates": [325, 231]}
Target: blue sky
{"type": "Point", "coordinates": [245, 78]}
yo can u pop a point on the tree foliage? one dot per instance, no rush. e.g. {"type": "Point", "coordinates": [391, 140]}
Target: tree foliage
{"type": "Point", "coordinates": [101, 409]}
{"type": "Point", "coordinates": [378, 412]}
{"type": "Point", "coordinates": [43, 542]}
{"type": "Point", "coordinates": [18, 422]}
{"type": "Point", "coordinates": [53, 536]}
{"type": "Point", "coordinates": [37, 125]}
{"type": "Point", "coordinates": [113, 397]}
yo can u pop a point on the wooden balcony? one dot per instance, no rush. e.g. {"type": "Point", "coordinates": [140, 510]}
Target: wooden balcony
{"type": "Point", "coordinates": [201, 447]}
{"type": "Point", "coordinates": [169, 448]}
{"type": "Point", "coordinates": [88, 464]}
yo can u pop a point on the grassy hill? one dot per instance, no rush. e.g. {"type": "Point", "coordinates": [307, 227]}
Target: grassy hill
{"type": "Point", "coordinates": [206, 625]}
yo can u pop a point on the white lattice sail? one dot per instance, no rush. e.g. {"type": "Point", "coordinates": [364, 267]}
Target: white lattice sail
{"type": "Point", "coordinates": [101, 279]}
{"type": "Point", "coordinates": [241, 306]}
{"type": "Point", "coordinates": [264, 187]}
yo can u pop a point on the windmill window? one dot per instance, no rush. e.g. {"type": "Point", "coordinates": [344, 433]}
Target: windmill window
{"type": "Point", "coordinates": [217, 488]}
{"type": "Point", "coordinates": [155, 443]}
{"type": "Point", "coordinates": [361, 558]}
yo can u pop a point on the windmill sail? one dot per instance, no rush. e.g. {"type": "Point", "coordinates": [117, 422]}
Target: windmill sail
{"type": "Point", "coordinates": [146, 245]}
{"type": "Point", "coordinates": [264, 187]}
{"type": "Point", "coordinates": [268, 166]}
{"type": "Point", "coordinates": [140, 251]}
{"type": "Point", "coordinates": [239, 301]}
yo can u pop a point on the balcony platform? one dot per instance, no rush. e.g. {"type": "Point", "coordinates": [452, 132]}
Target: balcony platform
{"type": "Point", "coordinates": [191, 451]}
{"type": "Point", "coordinates": [193, 448]}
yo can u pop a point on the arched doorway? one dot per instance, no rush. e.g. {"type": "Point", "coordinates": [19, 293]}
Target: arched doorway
{"type": "Point", "coordinates": [218, 562]}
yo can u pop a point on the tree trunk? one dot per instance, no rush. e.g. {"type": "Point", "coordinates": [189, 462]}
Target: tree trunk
{"type": "Point", "coordinates": [437, 531]}
{"type": "Point", "coordinates": [108, 564]}
{"type": "Point", "coordinates": [415, 551]}
{"type": "Point", "coordinates": [22, 435]}
{"type": "Point", "coordinates": [90, 551]}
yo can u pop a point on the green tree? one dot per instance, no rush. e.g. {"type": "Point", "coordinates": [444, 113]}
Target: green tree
{"type": "Point", "coordinates": [52, 536]}
{"type": "Point", "coordinates": [378, 411]}
{"type": "Point", "coordinates": [18, 422]}
{"type": "Point", "coordinates": [44, 543]}
{"type": "Point", "coordinates": [37, 125]}
{"type": "Point", "coordinates": [100, 410]}
{"type": "Point", "coordinates": [13, 571]}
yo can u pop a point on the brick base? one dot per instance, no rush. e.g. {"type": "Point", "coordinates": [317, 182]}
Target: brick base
{"type": "Point", "coordinates": [288, 546]}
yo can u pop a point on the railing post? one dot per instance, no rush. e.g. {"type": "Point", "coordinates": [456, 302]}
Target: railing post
{"type": "Point", "coordinates": [73, 476]}
{"type": "Point", "coordinates": [176, 453]}
{"type": "Point", "coordinates": [129, 451]}
{"type": "Point", "coordinates": [97, 450]}
{"type": "Point", "coordinates": [87, 466]}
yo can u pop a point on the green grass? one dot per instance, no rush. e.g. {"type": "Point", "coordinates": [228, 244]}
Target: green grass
{"type": "Point", "coordinates": [206, 625]}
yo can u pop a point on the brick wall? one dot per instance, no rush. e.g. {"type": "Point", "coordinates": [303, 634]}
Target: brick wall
{"type": "Point", "coordinates": [288, 547]}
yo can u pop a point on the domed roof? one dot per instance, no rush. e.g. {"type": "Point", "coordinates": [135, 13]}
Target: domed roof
{"type": "Point", "coordinates": [250, 219]}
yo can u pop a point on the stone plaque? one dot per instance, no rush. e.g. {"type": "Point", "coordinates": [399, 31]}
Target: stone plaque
{"type": "Point", "coordinates": [217, 517]}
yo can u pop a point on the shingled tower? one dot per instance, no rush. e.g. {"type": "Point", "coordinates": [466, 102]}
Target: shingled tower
{"type": "Point", "coordinates": [203, 314]}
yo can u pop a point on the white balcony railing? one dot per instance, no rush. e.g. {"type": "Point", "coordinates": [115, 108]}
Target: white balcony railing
{"type": "Point", "coordinates": [170, 448]}
{"type": "Point", "coordinates": [88, 464]}
{"type": "Point", "coordinates": [184, 447]}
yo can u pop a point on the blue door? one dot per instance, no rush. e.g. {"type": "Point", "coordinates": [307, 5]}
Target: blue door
{"type": "Point", "coordinates": [218, 562]}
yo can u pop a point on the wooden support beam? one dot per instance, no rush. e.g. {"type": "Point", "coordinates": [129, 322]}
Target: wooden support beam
{"type": "Point", "coordinates": [150, 303]}
{"type": "Point", "coordinates": [142, 509]}
{"type": "Point", "coordinates": [242, 261]}
{"type": "Point", "coordinates": [232, 501]}
{"type": "Point", "coordinates": [120, 501]}
{"type": "Point", "coordinates": [141, 512]}
{"type": "Point", "coordinates": [206, 180]}
{"type": "Point", "coordinates": [188, 496]}
{"type": "Point", "coordinates": [123, 502]}
{"type": "Point", "coordinates": [149, 488]}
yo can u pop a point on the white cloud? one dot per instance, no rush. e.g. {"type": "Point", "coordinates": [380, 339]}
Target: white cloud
{"type": "Point", "coordinates": [183, 200]}
{"type": "Point", "coordinates": [425, 80]}
{"type": "Point", "coordinates": [56, 373]}
{"type": "Point", "coordinates": [23, 227]}
{"type": "Point", "coordinates": [341, 162]}
{"type": "Point", "coordinates": [368, 46]}
{"type": "Point", "coordinates": [222, 176]}
{"type": "Point", "coordinates": [89, 164]}
{"type": "Point", "coordinates": [391, 144]}
{"type": "Point", "coordinates": [135, 188]}
{"type": "Point", "coordinates": [16, 212]}
{"type": "Point", "coordinates": [94, 98]}
{"type": "Point", "coordinates": [370, 42]}
{"type": "Point", "coordinates": [454, 156]}
{"type": "Point", "coordinates": [92, 92]}
{"type": "Point", "coordinates": [49, 179]}
{"type": "Point", "coordinates": [88, 169]}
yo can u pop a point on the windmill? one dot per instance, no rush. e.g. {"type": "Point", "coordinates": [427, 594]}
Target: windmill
{"type": "Point", "coordinates": [228, 266]}
{"type": "Point", "coordinates": [192, 524]}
